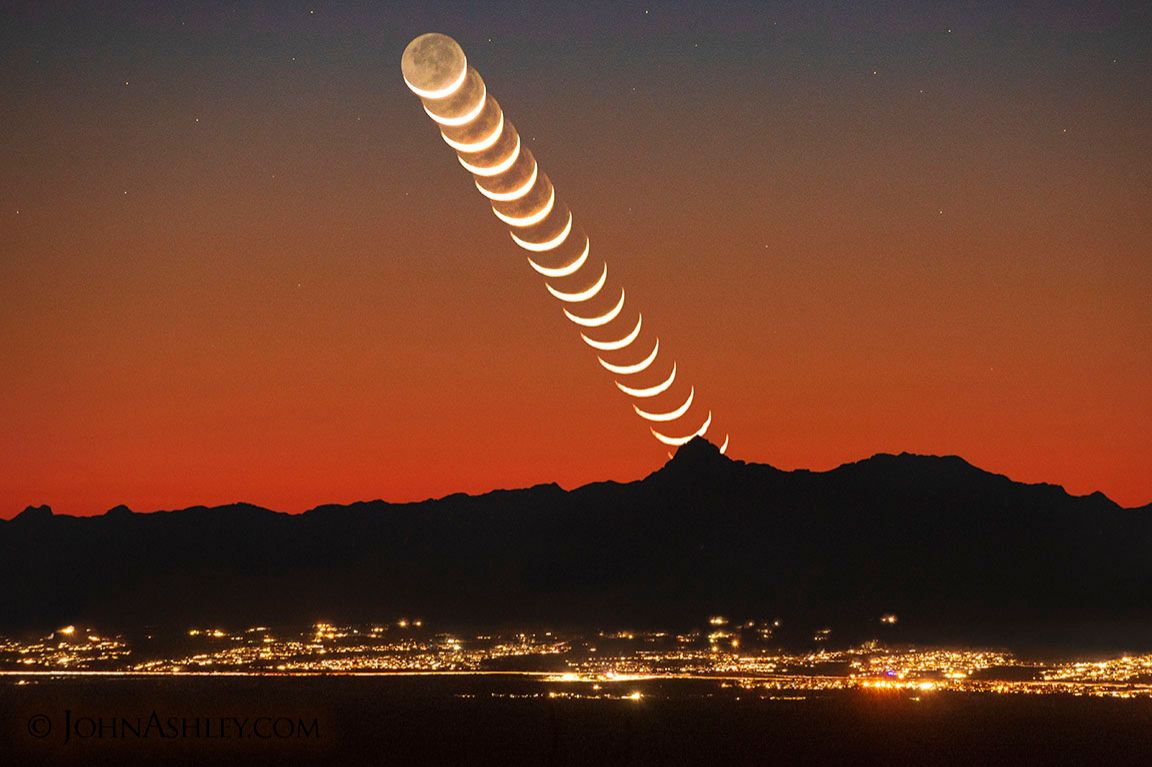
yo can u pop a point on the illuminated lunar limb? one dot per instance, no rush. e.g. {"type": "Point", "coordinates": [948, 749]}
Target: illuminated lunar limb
{"type": "Point", "coordinates": [600, 319]}
{"type": "Point", "coordinates": [620, 343]}
{"type": "Point", "coordinates": [677, 441]}
{"type": "Point", "coordinates": [639, 367]}
{"type": "Point", "coordinates": [569, 268]}
{"type": "Point", "coordinates": [522, 196]}
{"type": "Point", "coordinates": [671, 415]}
{"type": "Point", "coordinates": [650, 391]}
{"type": "Point", "coordinates": [581, 295]}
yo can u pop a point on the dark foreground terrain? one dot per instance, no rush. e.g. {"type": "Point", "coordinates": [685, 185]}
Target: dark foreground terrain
{"type": "Point", "coordinates": [961, 555]}
{"type": "Point", "coordinates": [511, 720]}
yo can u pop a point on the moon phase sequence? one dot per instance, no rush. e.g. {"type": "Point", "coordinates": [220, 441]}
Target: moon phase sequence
{"type": "Point", "coordinates": [505, 172]}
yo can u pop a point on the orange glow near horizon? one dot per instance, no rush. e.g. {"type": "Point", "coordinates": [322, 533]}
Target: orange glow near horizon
{"type": "Point", "coordinates": [282, 287]}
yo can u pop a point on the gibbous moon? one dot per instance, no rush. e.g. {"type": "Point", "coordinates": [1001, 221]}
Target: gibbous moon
{"type": "Point", "coordinates": [488, 146]}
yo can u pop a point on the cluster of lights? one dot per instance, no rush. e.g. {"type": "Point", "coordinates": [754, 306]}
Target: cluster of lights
{"type": "Point", "coordinates": [593, 666]}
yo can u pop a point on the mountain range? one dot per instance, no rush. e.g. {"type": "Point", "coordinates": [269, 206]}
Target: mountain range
{"type": "Point", "coordinates": [957, 553]}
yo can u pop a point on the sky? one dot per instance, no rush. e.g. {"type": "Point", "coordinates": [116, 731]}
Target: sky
{"type": "Point", "coordinates": [238, 264]}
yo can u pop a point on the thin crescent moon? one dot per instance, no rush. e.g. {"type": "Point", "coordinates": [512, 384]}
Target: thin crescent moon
{"type": "Point", "coordinates": [684, 440]}
{"type": "Point", "coordinates": [496, 170]}
{"type": "Point", "coordinates": [639, 367]}
{"type": "Point", "coordinates": [651, 391]}
{"type": "Point", "coordinates": [531, 218]}
{"type": "Point", "coordinates": [468, 116]}
{"type": "Point", "coordinates": [671, 415]}
{"type": "Point", "coordinates": [583, 295]}
{"type": "Point", "coordinates": [725, 445]}
{"type": "Point", "coordinates": [487, 142]}
{"type": "Point", "coordinates": [440, 93]}
{"type": "Point", "coordinates": [564, 271]}
{"type": "Point", "coordinates": [611, 346]}
{"type": "Point", "coordinates": [540, 247]}
{"type": "Point", "coordinates": [603, 319]}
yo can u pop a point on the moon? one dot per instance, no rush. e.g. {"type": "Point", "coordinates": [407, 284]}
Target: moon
{"type": "Point", "coordinates": [504, 171]}
{"type": "Point", "coordinates": [671, 415]}
{"type": "Point", "coordinates": [639, 367]}
{"type": "Point", "coordinates": [581, 295]}
{"type": "Point", "coordinates": [564, 271]}
{"type": "Point", "coordinates": [622, 343]}
{"type": "Point", "coordinates": [434, 66]}
{"type": "Point", "coordinates": [599, 320]}
{"type": "Point", "coordinates": [532, 218]}
{"type": "Point", "coordinates": [651, 391]}
{"type": "Point", "coordinates": [677, 441]}
{"type": "Point", "coordinates": [541, 247]}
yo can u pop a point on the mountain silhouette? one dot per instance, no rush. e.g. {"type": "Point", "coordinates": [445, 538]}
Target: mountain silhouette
{"type": "Point", "coordinates": [958, 553]}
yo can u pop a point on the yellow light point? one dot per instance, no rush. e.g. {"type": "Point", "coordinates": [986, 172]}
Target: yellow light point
{"type": "Point", "coordinates": [552, 244]}
{"type": "Point", "coordinates": [68, 630]}
{"type": "Point", "coordinates": [639, 367]}
{"type": "Point", "coordinates": [622, 343]}
{"type": "Point", "coordinates": [496, 170]}
{"type": "Point", "coordinates": [602, 319]}
{"type": "Point", "coordinates": [718, 620]}
{"type": "Point", "coordinates": [487, 142]}
{"type": "Point", "coordinates": [217, 633]}
{"type": "Point", "coordinates": [532, 218]}
{"type": "Point", "coordinates": [581, 295]}
{"type": "Point", "coordinates": [193, 632]}
{"type": "Point", "coordinates": [564, 271]}
{"type": "Point", "coordinates": [635, 696]}
{"type": "Point", "coordinates": [671, 415]}
{"type": "Point", "coordinates": [569, 677]}
{"type": "Point", "coordinates": [651, 391]}
{"type": "Point", "coordinates": [402, 623]}
{"type": "Point", "coordinates": [677, 441]}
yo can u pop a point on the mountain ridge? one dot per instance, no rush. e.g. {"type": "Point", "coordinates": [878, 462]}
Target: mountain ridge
{"type": "Point", "coordinates": [677, 460]}
{"type": "Point", "coordinates": [957, 552]}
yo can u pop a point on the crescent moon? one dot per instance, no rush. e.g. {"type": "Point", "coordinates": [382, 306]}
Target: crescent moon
{"type": "Point", "coordinates": [441, 93]}
{"type": "Point", "coordinates": [611, 346]}
{"type": "Point", "coordinates": [651, 391]}
{"type": "Point", "coordinates": [515, 194]}
{"type": "Point", "coordinates": [583, 295]}
{"type": "Point", "coordinates": [631, 370]}
{"type": "Point", "coordinates": [564, 271]}
{"type": "Point", "coordinates": [487, 142]}
{"type": "Point", "coordinates": [725, 445]}
{"type": "Point", "coordinates": [540, 247]}
{"type": "Point", "coordinates": [671, 415]}
{"type": "Point", "coordinates": [468, 116]}
{"type": "Point", "coordinates": [683, 440]}
{"type": "Point", "coordinates": [639, 367]}
{"type": "Point", "coordinates": [496, 170]}
{"type": "Point", "coordinates": [602, 319]}
{"type": "Point", "coordinates": [532, 218]}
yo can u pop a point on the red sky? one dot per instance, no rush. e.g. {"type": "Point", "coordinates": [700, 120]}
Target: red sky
{"type": "Point", "coordinates": [239, 264]}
